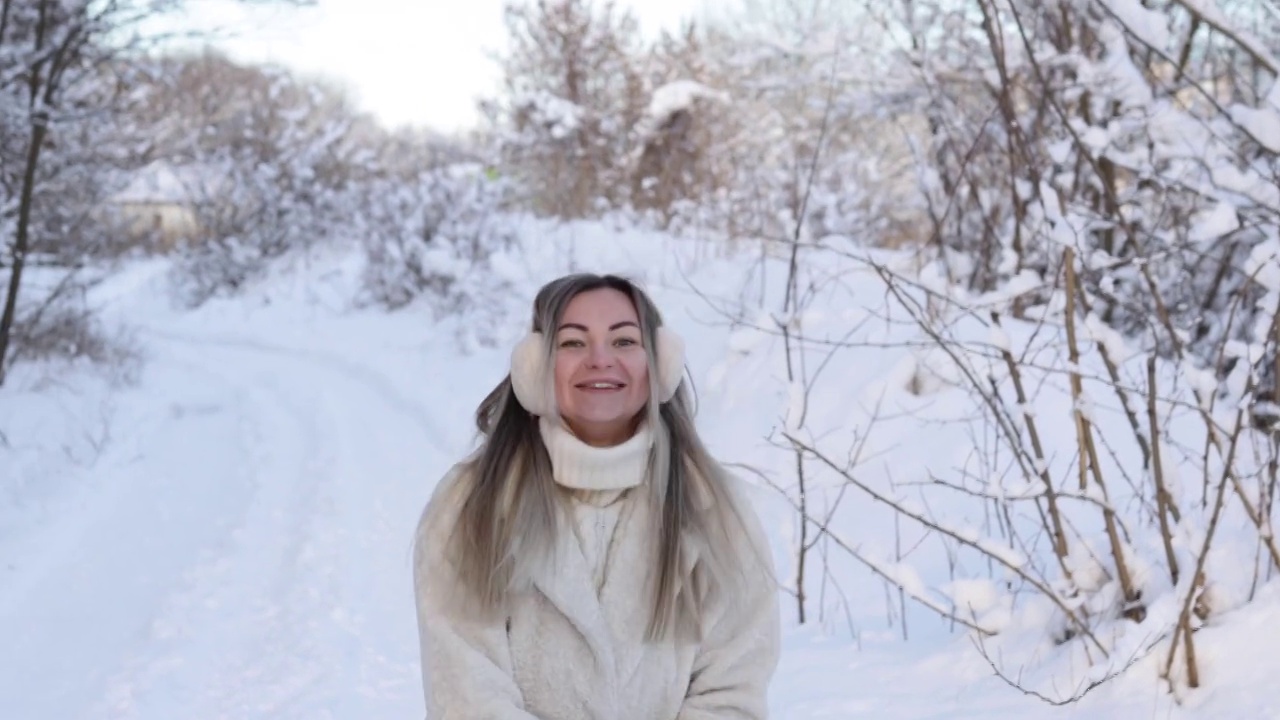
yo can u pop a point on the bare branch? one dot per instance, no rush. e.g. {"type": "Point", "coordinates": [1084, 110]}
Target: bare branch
{"type": "Point", "coordinates": [999, 558]}
{"type": "Point", "coordinates": [1082, 690]}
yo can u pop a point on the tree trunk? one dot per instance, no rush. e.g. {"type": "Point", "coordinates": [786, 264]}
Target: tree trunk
{"type": "Point", "coordinates": [39, 128]}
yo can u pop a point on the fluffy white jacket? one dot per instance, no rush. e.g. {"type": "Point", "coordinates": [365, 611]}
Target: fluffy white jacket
{"type": "Point", "coordinates": [568, 652]}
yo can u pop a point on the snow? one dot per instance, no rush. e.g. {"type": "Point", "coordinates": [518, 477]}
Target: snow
{"type": "Point", "coordinates": [1213, 223]}
{"type": "Point", "coordinates": [1264, 264]}
{"type": "Point", "coordinates": [1150, 26]}
{"type": "Point", "coordinates": [1129, 85]}
{"type": "Point", "coordinates": [1263, 124]}
{"type": "Point", "coordinates": [1251, 185]}
{"type": "Point", "coordinates": [999, 339]}
{"type": "Point", "coordinates": [674, 97]}
{"type": "Point", "coordinates": [1214, 16]}
{"type": "Point", "coordinates": [795, 406]}
{"type": "Point", "coordinates": [230, 537]}
{"type": "Point", "coordinates": [561, 117]}
{"type": "Point", "coordinates": [680, 95]}
{"type": "Point", "coordinates": [1107, 337]}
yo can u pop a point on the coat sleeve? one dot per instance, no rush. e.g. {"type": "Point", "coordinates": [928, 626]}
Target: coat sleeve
{"type": "Point", "coordinates": [466, 666]}
{"type": "Point", "coordinates": [736, 661]}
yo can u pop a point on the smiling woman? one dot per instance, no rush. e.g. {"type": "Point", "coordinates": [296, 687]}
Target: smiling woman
{"type": "Point", "coordinates": [591, 559]}
{"type": "Point", "coordinates": [601, 372]}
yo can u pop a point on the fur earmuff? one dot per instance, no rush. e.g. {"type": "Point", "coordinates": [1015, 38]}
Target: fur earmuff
{"type": "Point", "coordinates": [534, 388]}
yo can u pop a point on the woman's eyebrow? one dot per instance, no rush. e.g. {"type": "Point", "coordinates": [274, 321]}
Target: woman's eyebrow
{"type": "Point", "coordinates": [615, 326]}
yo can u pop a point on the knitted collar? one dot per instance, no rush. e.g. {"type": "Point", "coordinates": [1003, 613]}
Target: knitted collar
{"type": "Point", "coordinates": [580, 466]}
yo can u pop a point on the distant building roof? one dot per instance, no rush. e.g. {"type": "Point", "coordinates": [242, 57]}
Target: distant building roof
{"type": "Point", "coordinates": [163, 183]}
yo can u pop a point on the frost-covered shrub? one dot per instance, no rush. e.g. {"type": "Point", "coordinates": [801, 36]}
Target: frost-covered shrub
{"type": "Point", "coordinates": [275, 170]}
{"type": "Point", "coordinates": [60, 325]}
{"type": "Point", "coordinates": [426, 238]}
{"type": "Point", "coordinates": [1136, 136]}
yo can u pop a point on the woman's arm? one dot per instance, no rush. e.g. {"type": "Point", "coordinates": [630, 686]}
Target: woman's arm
{"type": "Point", "coordinates": [737, 659]}
{"type": "Point", "coordinates": [466, 666]}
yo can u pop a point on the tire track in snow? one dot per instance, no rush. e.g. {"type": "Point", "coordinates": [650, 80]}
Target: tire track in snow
{"type": "Point", "coordinates": [310, 611]}
{"type": "Point", "coordinates": [281, 660]}
{"type": "Point", "coordinates": [203, 615]}
{"type": "Point", "coordinates": [433, 432]}
{"type": "Point", "coordinates": [105, 567]}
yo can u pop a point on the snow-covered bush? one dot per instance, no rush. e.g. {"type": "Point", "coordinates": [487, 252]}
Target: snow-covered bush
{"type": "Point", "coordinates": [1071, 500]}
{"type": "Point", "coordinates": [260, 160]}
{"type": "Point", "coordinates": [63, 327]}
{"type": "Point", "coordinates": [1140, 137]}
{"type": "Point", "coordinates": [673, 166]}
{"type": "Point", "coordinates": [427, 237]}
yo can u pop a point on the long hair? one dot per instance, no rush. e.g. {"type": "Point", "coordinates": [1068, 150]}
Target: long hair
{"type": "Point", "coordinates": [511, 507]}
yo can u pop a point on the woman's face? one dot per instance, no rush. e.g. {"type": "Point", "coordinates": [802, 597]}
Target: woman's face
{"type": "Point", "coordinates": [601, 372]}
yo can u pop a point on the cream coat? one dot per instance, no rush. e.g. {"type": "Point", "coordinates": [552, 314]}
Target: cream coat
{"type": "Point", "coordinates": [568, 653]}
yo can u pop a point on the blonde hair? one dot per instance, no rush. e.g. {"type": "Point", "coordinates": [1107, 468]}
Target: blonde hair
{"type": "Point", "coordinates": [511, 507]}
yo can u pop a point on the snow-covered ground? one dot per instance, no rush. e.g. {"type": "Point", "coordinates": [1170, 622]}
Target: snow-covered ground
{"type": "Point", "coordinates": [229, 537]}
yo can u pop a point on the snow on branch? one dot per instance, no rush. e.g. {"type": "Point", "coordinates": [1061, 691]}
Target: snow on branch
{"type": "Point", "coordinates": [680, 95]}
{"type": "Point", "coordinates": [1208, 12]}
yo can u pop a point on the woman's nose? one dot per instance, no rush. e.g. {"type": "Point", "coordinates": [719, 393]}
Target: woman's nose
{"type": "Point", "coordinates": [600, 355]}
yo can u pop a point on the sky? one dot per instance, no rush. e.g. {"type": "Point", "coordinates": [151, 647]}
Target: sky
{"type": "Point", "coordinates": [420, 62]}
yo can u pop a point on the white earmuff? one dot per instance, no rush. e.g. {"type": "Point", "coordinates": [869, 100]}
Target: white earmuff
{"type": "Point", "coordinates": [532, 384]}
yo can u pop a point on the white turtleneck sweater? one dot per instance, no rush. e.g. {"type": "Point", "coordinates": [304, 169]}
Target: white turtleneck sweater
{"type": "Point", "coordinates": [600, 479]}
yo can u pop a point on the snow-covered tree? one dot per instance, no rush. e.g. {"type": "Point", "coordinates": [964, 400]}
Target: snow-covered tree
{"type": "Point", "coordinates": [1099, 180]}
{"type": "Point", "coordinates": [66, 75]}
{"type": "Point", "coordinates": [1089, 192]}
{"type": "Point", "coordinates": [572, 97]}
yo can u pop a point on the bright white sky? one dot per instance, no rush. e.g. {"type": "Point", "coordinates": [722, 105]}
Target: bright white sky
{"type": "Point", "coordinates": [407, 61]}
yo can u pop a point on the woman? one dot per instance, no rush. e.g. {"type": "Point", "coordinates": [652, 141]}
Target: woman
{"type": "Point", "coordinates": [591, 560]}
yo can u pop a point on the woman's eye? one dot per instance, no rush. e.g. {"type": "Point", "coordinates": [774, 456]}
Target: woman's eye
{"type": "Point", "coordinates": [570, 343]}
{"type": "Point", "coordinates": [625, 342]}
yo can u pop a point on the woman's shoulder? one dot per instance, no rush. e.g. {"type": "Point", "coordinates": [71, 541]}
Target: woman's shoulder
{"type": "Point", "coordinates": [442, 507]}
{"type": "Point", "coordinates": [742, 496]}
{"type": "Point", "coordinates": [452, 483]}
{"type": "Point", "coordinates": [731, 488]}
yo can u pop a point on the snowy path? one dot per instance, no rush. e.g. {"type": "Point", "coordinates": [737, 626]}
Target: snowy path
{"type": "Point", "coordinates": [251, 560]}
